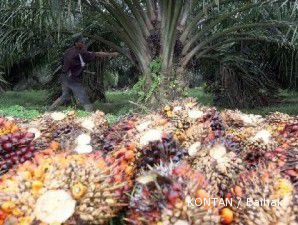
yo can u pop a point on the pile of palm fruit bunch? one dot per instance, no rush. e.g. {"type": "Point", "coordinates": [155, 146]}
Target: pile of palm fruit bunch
{"type": "Point", "coordinates": [151, 168]}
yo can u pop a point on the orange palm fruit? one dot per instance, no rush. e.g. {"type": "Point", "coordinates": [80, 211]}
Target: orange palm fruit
{"type": "Point", "coordinates": [131, 146]}
{"type": "Point", "coordinates": [101, 164]}
{"type": "Point", "coordinates": [54, 145]}
{"type": "Point", "coordinates": [3, 215]}
{"type": "Point", "coordinates": [162, 122]}
{"type": "Point", "coordinates": [37, 185]}
{"type": "Point", "coordinates": [227, 216]}
{"type": "Point", "coordinates": [8, 207]}
{"type": "Point", "coordinates": [14, 128]}
{"type": "Point", "coordinates": [202, 194]}
{"type": "Point", "coordinates": [16, 212]}
{"type": "Point", "coordinates": [129, 155]}
{"type": "Point", "coordinates": [238, 191]}
{"type": "Point", "coordinates": [167, 108]}
{"type": "Point", "coordinates": [118, 178]}
{"type": "Point", "coordinates": [129, 170]}
{"type": "Point", "coordinates": [38, 173]}
{"type": "Point", "coordinates": [25, 221]}
{"type": "Point", "coordinates": [7, 125]}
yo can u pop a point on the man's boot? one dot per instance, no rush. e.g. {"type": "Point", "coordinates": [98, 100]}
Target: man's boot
{"type": "Point", "coordinates": [55, 104]}
{"type": "Point", "coordinates": [88, 107]}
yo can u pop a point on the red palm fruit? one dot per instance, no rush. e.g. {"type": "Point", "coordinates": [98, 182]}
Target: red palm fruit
{"type": "Point", "coordinates": [4, 138]}
{"type": "Point", "coordinates": [173, 196]}
{"type": "Point", "coordinates": [181, 170]}
{"type": "Point", "coordinates": [17, 135]}
{"type": "Point", "coordinates": [30, 135]}
{"type": "Point", "coordinates": [7, 146]}
{"type": "Point", "coordinates": [1, 121]}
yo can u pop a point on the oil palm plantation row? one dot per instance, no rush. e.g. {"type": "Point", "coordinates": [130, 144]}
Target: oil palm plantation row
{"type": "Point", "coordinates": [162, 38]}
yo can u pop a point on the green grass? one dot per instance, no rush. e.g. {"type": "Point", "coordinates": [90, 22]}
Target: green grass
{"type": "Point", "coordinates": [288, 105]}
{"type": "Point", "coordinates": [30, 104]}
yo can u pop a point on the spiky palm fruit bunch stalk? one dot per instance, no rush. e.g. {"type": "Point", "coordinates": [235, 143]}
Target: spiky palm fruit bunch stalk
{"type": "Point", "coordinates": [220, 165]}
{"type": "Point", "coordinates": [61, 189]}
{"type": "Point", "coordinates": [160, 151]}
{"type": "Point", "coordinates": [264, 197]}
{"type": "Point", "coordinates": [163, 196]}
{"type": "Point", "coordinates": [287, 161]}
{"type": "Point", "coordinates": [15, 148]}
{"type": "Point", "coordinates": [7, 127]}
{"type": "Point", "coordinates": [239, 119]}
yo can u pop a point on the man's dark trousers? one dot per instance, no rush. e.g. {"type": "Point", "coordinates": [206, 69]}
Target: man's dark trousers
{"type": "Point", "coordinates": [72, 85]}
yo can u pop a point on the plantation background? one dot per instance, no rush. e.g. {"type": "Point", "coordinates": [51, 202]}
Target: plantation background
{"type": "Point", "coordinates": [231, 54]}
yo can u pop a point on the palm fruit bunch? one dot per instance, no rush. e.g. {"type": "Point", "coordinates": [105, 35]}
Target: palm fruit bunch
{"type": "Point", "coordinates": [119, 135]}
{"type": "Point", "coordinates": [159, 151]}
{"type": "Point", "coordinates": [217, 125]}
{"type": "Point", "coordinates": [123, 163]}
{"type": "Point", "coordinates": [69, 131]}
{"type": "Point", "coordinates": [220, 164]}
{"type": "Point", "coordinates": [240, 134]}
{"type": "Point", "coordinates": [290, 134]}
{"type": "Point", "coordinates": [280, 118]}
{"type": "Point", "coordinates": [189, 120]}
{"type": "Point", "coordinates": [257, 146]}
{"type": "Point", "coordinates": [15, 148]}
{"type": "Point", "coordinates": [152, 128]}
{"type": "Point", "coordinates": [284, 127]}
{"type": "Point", "coordinates": [238, 119]}
{"type": "Point", "coordinates": [163, 195]}
{"type": "Point", "coordinates": [60, 189]}
{"type": "Point", "coordinates": [7, 126]}
{"type": "Point", "coordinates": [57, 126]}
{"type": "Point", "coordinates": [287, 161]}
{"type": "Point", "coordinates": [264, 197]}
{"type": "Point", "coordinates": [97, 125]}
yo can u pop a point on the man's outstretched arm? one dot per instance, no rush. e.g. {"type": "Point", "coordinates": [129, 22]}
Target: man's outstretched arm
{"type": "Point", "coordinates": [106, 54]}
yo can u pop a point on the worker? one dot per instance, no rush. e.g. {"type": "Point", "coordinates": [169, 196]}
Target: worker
{"type": "Point", "coordinates": [73, 64]}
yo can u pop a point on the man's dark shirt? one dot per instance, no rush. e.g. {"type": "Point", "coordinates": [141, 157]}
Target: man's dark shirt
{"type": "Point", "coordinates": [71, 63]}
